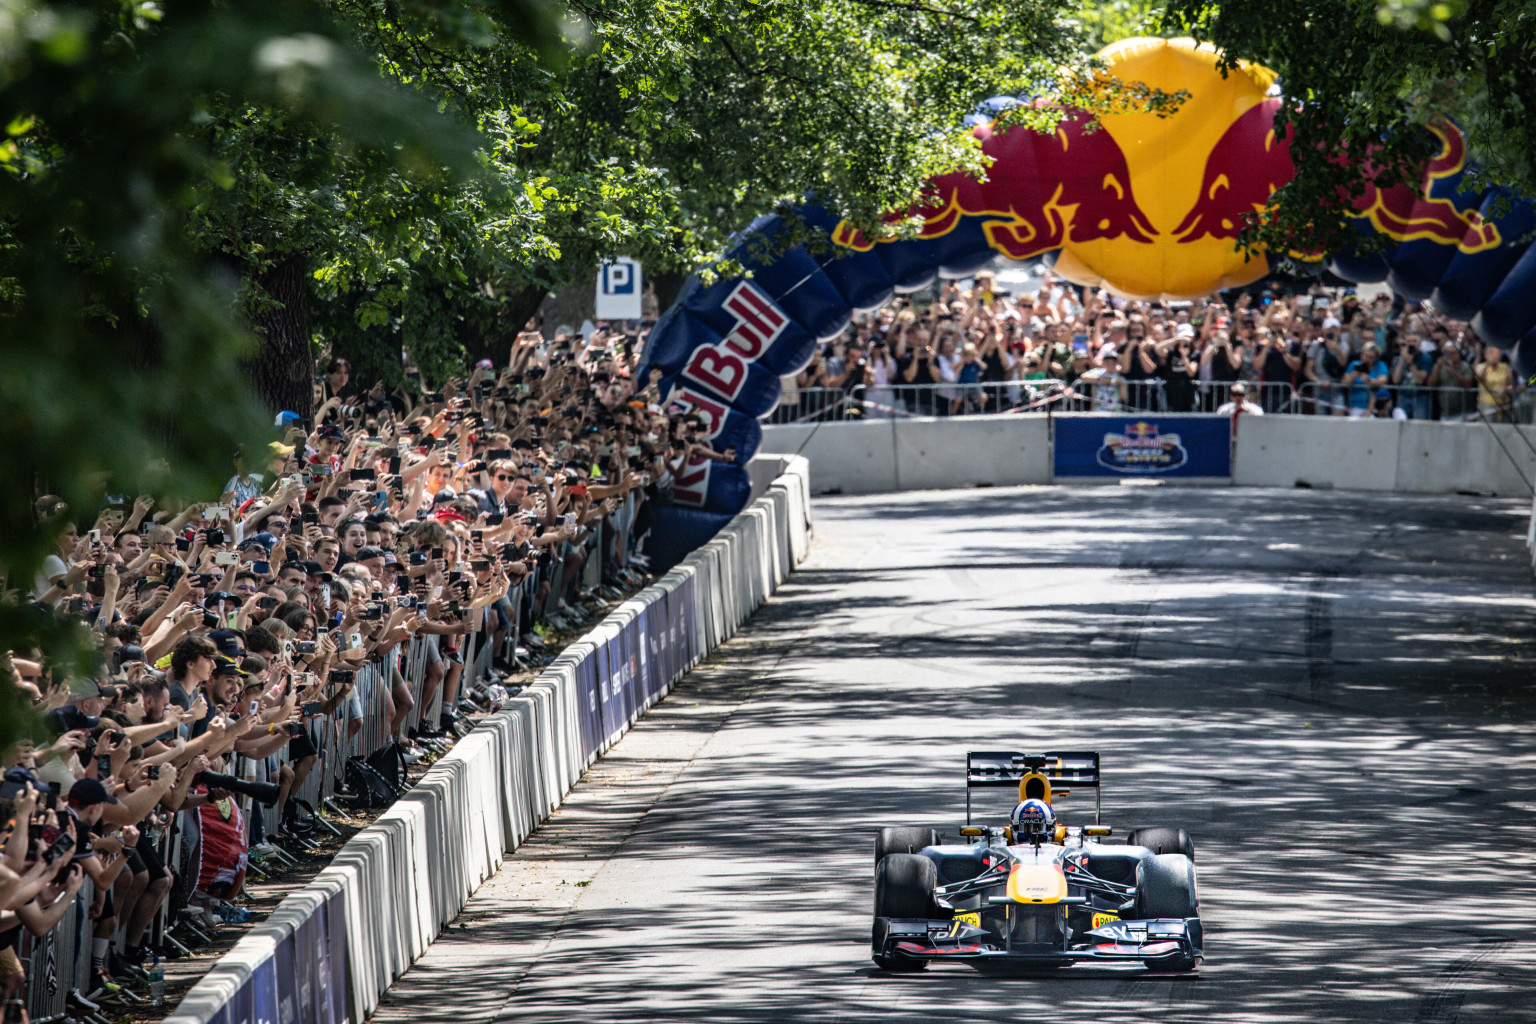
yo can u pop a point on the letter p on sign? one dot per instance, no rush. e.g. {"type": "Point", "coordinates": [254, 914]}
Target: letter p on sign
{"type": "Point", "coordinates": [618, 290]}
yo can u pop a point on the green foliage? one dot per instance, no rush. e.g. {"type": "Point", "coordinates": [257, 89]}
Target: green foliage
{"type": "Point", "coordinates": [1370, 75]}
{"type": "Point", "coordinates": [1109, 21]}
{"type": "Point", "coordinates": [119, 337]}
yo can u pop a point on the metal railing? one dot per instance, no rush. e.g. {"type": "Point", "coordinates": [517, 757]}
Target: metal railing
{"type": "Point", "coordinates": [1090, 393]}
{"type": "Point", "coordinates": [1414, 402]}
{"type": "Point", "coordinates": [1114, 393]}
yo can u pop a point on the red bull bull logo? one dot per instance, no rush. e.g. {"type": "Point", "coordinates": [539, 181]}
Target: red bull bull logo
{"type": "Point", "coordinates": [1429, 212]}
{"type": "Point", "coordinates": [1045, 190]}
{"type": "Point", "coordinates": [1244, 169]}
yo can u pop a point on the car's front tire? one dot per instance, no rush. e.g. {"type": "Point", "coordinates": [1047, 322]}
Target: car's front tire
{"type": "Point", "coordinates": [904, 885]}
{"type": "Point", "coordinates": [1165, 888]}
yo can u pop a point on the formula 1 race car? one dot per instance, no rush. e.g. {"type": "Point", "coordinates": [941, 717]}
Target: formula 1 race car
{"type": "Point", "coordinates": [1035, 894]}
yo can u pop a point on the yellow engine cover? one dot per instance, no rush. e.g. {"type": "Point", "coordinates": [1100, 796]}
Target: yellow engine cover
{"type": "Point", "coordinates": [1039, 882]}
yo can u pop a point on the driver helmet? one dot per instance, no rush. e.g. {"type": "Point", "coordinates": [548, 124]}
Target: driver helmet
{"type": "Point", "coordinates": [1033, 818]}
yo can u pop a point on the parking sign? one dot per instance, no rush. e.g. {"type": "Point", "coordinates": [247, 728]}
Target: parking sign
{"type": "Point", "coordinates": [618, 290]}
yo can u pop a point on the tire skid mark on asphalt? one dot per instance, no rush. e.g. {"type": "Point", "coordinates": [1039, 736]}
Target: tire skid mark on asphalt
{"type": "Point", "coordinates": [1318, 640]}
{"type": "Point", "coordinates": [1443, 1006]}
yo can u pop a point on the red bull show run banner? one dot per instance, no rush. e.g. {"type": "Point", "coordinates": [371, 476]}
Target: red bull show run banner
{"type": "Point", "coordinates": [1142, 445]}
{"type": "Point", "coordinates": [1147, 207]}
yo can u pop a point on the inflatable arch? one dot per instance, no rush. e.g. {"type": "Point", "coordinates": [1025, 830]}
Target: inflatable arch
{"type": "Point", "coordinates": [1147, 207]}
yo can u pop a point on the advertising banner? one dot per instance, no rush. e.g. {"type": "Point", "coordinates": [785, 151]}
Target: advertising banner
{"type": "Point", "coordinates": [1143, 445]}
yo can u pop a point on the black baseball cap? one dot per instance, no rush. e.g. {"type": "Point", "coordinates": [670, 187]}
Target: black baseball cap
{"type": "Point", "coordinates": [225, 666]}
{"type": "Point", "coordinates": [86, 792]}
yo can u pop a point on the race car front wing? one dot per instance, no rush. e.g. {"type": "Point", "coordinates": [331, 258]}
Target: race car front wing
{"type": "Point", "coordinates": [1156, 942]}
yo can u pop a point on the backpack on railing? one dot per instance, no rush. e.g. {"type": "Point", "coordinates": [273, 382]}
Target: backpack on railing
{"type": "Point", "coordinates": [369, 789]}
{"type": "Point", "coordinates": [389, 762]}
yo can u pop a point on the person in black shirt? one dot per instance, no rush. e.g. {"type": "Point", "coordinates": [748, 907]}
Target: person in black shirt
{"type": "Point", "coordinates": [1179, 370]}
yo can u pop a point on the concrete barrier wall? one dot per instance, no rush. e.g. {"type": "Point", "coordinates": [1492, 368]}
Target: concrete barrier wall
{"type": "Point", "coordinates": [1283, 451]}
{"type": "Point", "coordinates": [873, 456]}
{"type": "Point", "coordinates": [330, 950]}
{"type": "Point", "coordinates": [1416, 457]}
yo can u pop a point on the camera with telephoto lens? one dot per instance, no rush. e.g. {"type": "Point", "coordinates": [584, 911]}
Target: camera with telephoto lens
{"type": "Point", "coordinates": [264, 793]}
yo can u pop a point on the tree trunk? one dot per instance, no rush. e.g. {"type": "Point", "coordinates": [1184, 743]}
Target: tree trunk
{"type": "Point", "coordinates": [666, 286]}
{"type": "Point", "coordinates": [570, 305]}
{"type": "Point", "coordinates": [283, 370]}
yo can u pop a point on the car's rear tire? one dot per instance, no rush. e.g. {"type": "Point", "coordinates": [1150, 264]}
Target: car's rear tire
{"type": "Point", "coordinates": [903, 839]}
{"type": "Point", "coordinates": [904, 885]}
{"type": "Point", "coordinates": [1163, 840]}
{"type": "Point", "coordinates": [1165, 887]}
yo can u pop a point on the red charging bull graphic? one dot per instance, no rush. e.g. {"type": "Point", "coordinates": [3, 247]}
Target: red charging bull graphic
{"type": "Point", "coordinates": [1244, 169]}
{"type": "Point", "coordinates": [1042, 191]}
{"type": "Point", "coordinates": [1430, 212]}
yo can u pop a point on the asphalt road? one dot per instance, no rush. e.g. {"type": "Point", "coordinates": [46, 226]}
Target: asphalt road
{"type": "Point", "coordinates": [1331, 691]}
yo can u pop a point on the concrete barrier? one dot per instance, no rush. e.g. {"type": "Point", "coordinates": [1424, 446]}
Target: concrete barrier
{"type": "Point", "coordinates": [921, 453]}
{"type": "Point", "coordinates": [1442, 458]}
{"type": "Point", "coordinates": [1316, 451]}
{"type": "Point", "coordinates": [330, 950]}
{"type": "Point", "coordinates": [1416, 457]}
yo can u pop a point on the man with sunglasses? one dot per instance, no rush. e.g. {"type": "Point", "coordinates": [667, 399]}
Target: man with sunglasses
{"type": "Point", "coordinates": [507, 490]}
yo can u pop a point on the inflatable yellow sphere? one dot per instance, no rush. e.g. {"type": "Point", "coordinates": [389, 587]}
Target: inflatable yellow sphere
{"type": "Point", "coordinates": [1190, 171]}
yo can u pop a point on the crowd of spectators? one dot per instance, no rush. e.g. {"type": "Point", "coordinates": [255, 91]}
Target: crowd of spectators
{"type": "Point", "coordinates": [230, 634]}
{"type": "Point", "coordinates": [1315, 351]}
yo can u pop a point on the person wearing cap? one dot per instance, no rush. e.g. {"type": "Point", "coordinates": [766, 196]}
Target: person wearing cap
{"type": "Point", "coordinates": [1239, 403]}
{"type": "Point", "coordinates": [102, 859]}
{"type": "Point", "coordinates": [372, 559]}
{"type": "Point", "coordinates": [224, 682]}
{"type": "Point", "coordinates": [329, 440]}
{"type": "Point", "coordinates": [1384, 408]}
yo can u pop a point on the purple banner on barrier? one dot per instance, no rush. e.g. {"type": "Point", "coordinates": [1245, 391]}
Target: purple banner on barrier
{"type": "Point", "coordinates": [634, 661]}
{"type": "Point", "coordinates": [643, 652]}
{"type": "Point", "coordinates": [264, 992]}
{"type": "Point", "coordinates": [590, 712]}
{"type": "Point", "coordinates": [287, 982]}
{"type": "Point", "coordinates": [241, 1005]}
{"type": "Point", "coordinates": [309, 940]}
{"type": "Point", "coordinates": [687, 622]}
{"type": "Point", "coordinates": [332, 971]}
{"type": "Point", "coordinates": [603, 662]}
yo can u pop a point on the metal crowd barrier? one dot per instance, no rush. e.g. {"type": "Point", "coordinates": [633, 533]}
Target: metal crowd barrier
{"type": "Point", "coordinates": [1099, 393]}
{"type": "Point", "coordinates": [1418, 402]}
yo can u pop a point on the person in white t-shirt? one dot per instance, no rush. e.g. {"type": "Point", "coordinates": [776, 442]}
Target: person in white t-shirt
{"type": "Point", "coordinates": [1239, 403]}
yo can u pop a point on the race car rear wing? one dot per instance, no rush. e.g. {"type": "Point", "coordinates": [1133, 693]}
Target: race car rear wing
{"type": "Point", "coordinates": [986, 769]}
